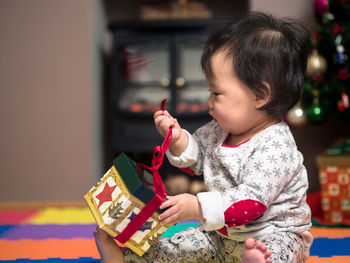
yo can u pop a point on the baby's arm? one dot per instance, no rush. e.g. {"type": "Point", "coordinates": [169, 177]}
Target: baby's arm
{"type": "Point", "coordinates": [182, 206]}
{"type": "Point", "coordinates": [163, 121]}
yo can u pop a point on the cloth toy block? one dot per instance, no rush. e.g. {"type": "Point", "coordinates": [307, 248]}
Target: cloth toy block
{"type": "Point", "coordinates": [118, 197]}
{"type": "Point", "coordinates": [124, 206]}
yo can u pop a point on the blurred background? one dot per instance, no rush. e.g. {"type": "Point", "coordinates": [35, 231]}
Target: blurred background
{"type": "Point", "coordinates": [57, 81]}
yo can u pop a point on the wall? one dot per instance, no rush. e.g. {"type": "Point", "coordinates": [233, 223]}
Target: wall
{"type": "Point", "coordinates": [300, 9]}
{"type": "Point", "coordinates": [49, 103]}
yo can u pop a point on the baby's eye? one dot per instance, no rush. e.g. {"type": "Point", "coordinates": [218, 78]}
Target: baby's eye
{"type": "Point", "coordinates": [214, 92]}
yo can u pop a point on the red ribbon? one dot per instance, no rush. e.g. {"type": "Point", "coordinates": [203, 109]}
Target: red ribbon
{"type": "Point", "coordinates": [160, 192]}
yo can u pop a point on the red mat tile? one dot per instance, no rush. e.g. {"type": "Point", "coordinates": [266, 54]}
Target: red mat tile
{"type": "Point", "coordinates": [15, 217]}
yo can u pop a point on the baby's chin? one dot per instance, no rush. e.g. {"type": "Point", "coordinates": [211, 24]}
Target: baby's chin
{"type": "Point", "coordinates": [220, 124]}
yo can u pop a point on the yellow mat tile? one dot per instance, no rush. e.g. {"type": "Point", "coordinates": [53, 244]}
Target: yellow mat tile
{"type": "Point", "coordinates": [68, 215]}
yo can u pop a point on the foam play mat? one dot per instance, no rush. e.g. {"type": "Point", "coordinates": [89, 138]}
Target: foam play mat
{"type": "Point", "coordinates": [65, 234]}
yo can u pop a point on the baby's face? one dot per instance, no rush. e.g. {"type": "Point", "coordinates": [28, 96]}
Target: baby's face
{"type": "Point", "coordinates": [231, 103]}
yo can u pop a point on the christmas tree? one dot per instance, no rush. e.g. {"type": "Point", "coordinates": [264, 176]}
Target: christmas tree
{"type": "Point", "coordinates": [327, 86]}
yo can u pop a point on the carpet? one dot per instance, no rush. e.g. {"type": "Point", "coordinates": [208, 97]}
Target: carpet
{"type": "Point", "coordinates": [64, 234]}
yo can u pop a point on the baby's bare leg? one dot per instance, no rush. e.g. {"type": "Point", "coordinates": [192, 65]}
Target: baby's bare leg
{"type": "Point", "coordinates": [255, 252]}
{"type": "Point", "coordinates": [107, 247]}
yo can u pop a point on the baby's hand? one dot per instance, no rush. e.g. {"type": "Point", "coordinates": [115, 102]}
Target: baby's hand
{"type": "Point", "coordinates": [163, 121]}
{"type": "Point", "coordinates": [181, 207]}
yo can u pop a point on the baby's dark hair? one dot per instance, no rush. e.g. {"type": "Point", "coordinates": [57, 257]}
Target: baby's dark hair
{"type": "Point", "coordinates": [264, 50]}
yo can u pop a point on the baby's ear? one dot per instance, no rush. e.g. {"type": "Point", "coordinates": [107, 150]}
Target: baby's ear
{"type": "Point", "coordinates": [262, 97]}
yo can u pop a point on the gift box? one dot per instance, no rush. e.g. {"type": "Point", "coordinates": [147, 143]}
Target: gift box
{"type": "Point", "coordinates": [125, 202]}
{"type": "Point", "coordinates": [334, 175]}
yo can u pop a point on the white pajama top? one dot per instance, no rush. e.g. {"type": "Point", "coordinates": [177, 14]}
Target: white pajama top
{"type": "Point", "coordinates": [255, 188]}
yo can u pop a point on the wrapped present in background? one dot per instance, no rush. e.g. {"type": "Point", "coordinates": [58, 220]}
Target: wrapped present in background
{"type": "Point", "coordinates": [125, 204]}
{"type": "Point", "coordinates": [334, 174]}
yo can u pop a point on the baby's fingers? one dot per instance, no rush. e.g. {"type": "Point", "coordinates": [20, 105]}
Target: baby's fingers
{"type": "Point", "coordinates": [170, 217]}
{"type": "Point", "coordinates": [166, 113]}
{"type": "Point", "coordinates": [157, 114]}
{"type": "Point", "coordinates": [168, 202]}
{"type": "Point", "coordinates": [170, 220]}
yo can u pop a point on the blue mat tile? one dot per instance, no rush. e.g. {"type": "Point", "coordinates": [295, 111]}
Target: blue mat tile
{"type": "Point", "coordinates": [328, 247]}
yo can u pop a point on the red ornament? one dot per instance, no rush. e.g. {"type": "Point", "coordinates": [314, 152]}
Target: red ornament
{"type": "Point", "coordinates": [345, 99]}
{"type": "Point", "coordinates": [344, 102]}
{"type": "Point", "coordinates": [317, 35]}
{"type": "Point", "coordinates": [337, 29]}
{"type": "Point", "coordinates": [321, 6]}
{"type": "Point", "coordinates": [318, 78]}
{"type": "Point", "coordinates": [343, 73]}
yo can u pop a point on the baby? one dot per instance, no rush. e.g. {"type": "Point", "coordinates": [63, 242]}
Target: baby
{"type": "Point", "coordinates": [254, 174]}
